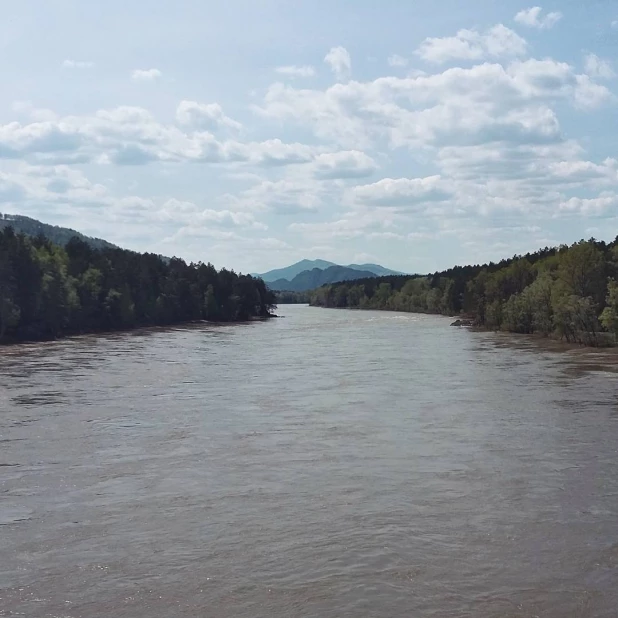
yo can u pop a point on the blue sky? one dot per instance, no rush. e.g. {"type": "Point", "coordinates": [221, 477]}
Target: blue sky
{"type": "Point", "coordinates": [253, 134]}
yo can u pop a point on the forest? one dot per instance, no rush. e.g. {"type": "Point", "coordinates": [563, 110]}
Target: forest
{"type": "Point", "coordinates": [570, 292]}
{"type": "Point", "coordinates": [293, 298]}
{"type": "Point", "coordinates": [49, 291]}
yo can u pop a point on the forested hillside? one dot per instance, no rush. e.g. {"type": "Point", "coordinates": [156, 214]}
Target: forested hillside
{"type": "Point", "coordinates": [47, 291]}
{"type": "Point", "coordinates": [570, 292]}
{"type": "Point", "coordinates": [54, 233]}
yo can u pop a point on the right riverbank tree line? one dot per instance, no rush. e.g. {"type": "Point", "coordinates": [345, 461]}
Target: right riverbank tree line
{"type": "Point", "coordinates": [570, 292]}
{"type": "Point", "coordinates": [47, 290]}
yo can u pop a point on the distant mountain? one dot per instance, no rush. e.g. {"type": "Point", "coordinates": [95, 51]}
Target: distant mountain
{"type": "Point", "coordinates": [311, 279]}
{"type": "Point", "coordinates": [289, 272]}
{"type": "Point", "coordinates": [57, 235]}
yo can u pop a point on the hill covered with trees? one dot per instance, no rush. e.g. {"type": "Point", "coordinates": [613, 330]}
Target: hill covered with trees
{"type": "Point", "coordinates": [54, 233]}
{"type": "Point", "coordinates": [570, 292]}
{"type": "Point", "coordinates": [47, 290]}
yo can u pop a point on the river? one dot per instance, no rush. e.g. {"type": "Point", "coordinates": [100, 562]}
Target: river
{"type": "Point", "coordinates": [328, 464]}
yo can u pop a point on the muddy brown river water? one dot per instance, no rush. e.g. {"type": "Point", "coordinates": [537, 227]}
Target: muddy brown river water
{"type": "Point", "coordinates": [329, 464]}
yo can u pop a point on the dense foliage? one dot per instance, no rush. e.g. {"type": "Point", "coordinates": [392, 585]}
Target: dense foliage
{"type": "Point", "coordinates": [54, 233]}
{"type": "Point", "coordinates": [47, 291]}
{"type": "Point", "coordinates": [293, 298]}
{"type": "Point", "coordinates": [571, 292]}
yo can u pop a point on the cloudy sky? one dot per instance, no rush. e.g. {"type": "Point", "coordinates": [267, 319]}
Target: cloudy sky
{"type": "Point", "coordinates": [253, 133]}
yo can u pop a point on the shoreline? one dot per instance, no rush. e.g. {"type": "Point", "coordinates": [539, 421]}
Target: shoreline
{"type": "Point", "coordinates": [551, 341]}
{"type": "Point", "coordinates": [13, 343]}
{"type": "Point", "coordinates": [558, 344]}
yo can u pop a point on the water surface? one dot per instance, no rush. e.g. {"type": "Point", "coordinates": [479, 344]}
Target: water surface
{"type": "Point", "coordinates": [332, 463]}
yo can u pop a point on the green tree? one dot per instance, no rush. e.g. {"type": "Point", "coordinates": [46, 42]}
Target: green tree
{"type": "Point", "coordinates": [539, 294]}
{"type": "Point", "coordinates": [494, 314]}
{"type": "Point", "coordinates": [609, 316]}
{"type": "Point", "coordinates": [212, 310]}
{"type": "Point", "coordinates": [340, 296]}
{"type": "Point", "coordinates": [119, 308]}
{"type": "Point", "coordinates": [9, 310]}
{"type": "Point", "coordinates": [476, 296]}
{"type": "Point", "coordinates": [380, 298]}
{"type": "Point", "coordinates": [575, 319]}
{"type": "Point", "coordinates": [518, 314]}
{"type": "Point", "coordinates": [355, 294]}
{"type": "Point", "coordinates": [56, 303]}
{"type": "Point", "coordinates": [581, 269]}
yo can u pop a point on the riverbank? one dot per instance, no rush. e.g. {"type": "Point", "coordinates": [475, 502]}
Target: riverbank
{"type": "Point", "coordinates": [8, 343]}
{"type": "Point", "coordinates": [604, 340]}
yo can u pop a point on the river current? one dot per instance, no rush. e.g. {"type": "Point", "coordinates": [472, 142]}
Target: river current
{"type": "Point", "coordinates": [328, 464]}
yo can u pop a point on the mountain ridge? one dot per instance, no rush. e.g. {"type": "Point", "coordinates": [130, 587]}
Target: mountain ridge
{"type": "Point", "coordinates": [315, 278]}
{"type": "Point", "coordinates": [290, 272]}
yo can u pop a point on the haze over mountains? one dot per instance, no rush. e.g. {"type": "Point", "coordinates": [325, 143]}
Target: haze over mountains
{"type": "Point", "coordinates": [310, 274]}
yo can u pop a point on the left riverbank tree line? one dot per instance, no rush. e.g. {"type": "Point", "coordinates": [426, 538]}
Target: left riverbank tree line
{"type": "Point", "coordinates": [48, 291]}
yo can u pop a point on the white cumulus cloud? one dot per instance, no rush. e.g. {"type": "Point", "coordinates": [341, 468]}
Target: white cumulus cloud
{"type": "Point", "coordinates": [339, 61]}
{"type": "Point", "coordinates": [498, 41]}
{"type": "Point", "coordinates": [597, 67]}
{"type": "Point", "coordinates": [208, 116]}
{"type": "Point", "coordinates": [486, 102]}
{"type": "Point", "coordinates": [146, 75]}
{"type": "Point", "coordinates": [398, 192]}
{"type": "Point", "coordinates": [591, 206]}
{"type": "Point", "coordinates": [345, 164]}
{"type": "Point", "coordinates": [532, 18]}
{"type": "Point", "coordinates": [132, 136]}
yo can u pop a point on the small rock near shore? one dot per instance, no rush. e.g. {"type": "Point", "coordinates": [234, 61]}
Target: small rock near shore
{"type": "Point", "coordinates": [462, 323]}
